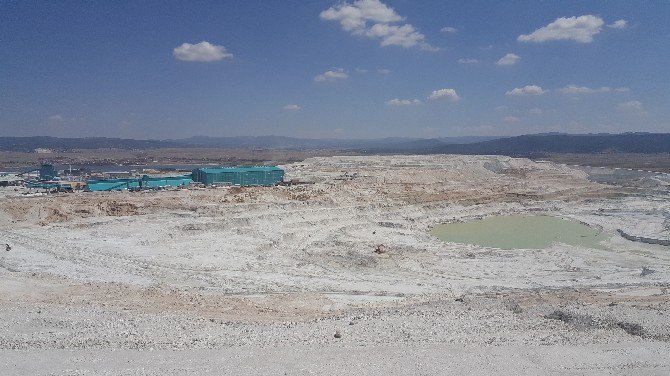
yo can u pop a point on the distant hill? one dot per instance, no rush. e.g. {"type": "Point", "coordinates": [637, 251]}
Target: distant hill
{"type": "Point", "coordinates": [28, 144]}
{"type": "Point", "coordinates": [648, 143]}
{"type": "Point", "coordinates": [527, 145]}
{"type": "Point", "coordinates": [427, 144]}
{"type": "Point", "coordinates": [279, 142]}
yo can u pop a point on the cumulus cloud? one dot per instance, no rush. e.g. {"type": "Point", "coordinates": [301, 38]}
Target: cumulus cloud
{"type": "Point", "coordinates": [354, 17]}
{"type": "Point", "coordinates": [527, 90]}
{"type": "Point", "coordinates": [331, 76]}
{"type": "Point", "coordinates": [630, 106]}
{"type": "Point", "coordinates": [55, 120]}
{"type": "Point", "coordinates": [618, 24]}
{"type": "Point", "coordinates": [579, 29]}
{"type": "Point", "coordinates": [468, 61]}
{"type": "Point", "coordinates": [449, 94]}
{"type": "Point", "coordinates": [574, 89]}
{"type": "Point", "coordinates": [448, 29]}
{"type": "Point", "coordinates": [403, 102]}
{"type": "Point", "coordinates": [511, 119]}
{"type": "Point", "coordinates": [292, 107]}
{"type": "Point", "coordinates": [384, 71]}
{"type": "Point", "coordinates": [509, 59]}
{"type": "Point", "coordinates": [502, 108]}
{"type": "Point", "coordinates": [375, 20]}
{"type": "Point", "coordinates": [201, 52]}
{"type": "Point", "coordinates": [393, 35]}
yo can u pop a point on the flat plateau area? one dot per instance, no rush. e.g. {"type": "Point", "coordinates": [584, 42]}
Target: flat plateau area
{"type": "Point", "coordinates": [257, 281]}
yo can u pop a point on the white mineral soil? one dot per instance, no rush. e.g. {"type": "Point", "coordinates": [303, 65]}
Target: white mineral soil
{"type": "Point", "coordinates": [257, 281]}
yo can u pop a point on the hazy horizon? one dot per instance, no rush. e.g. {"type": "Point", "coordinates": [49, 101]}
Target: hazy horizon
{"type": "Point", "coordinates": [351, 139]}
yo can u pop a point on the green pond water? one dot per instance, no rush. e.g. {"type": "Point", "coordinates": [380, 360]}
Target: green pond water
{"type": "Point", "coordinates": [520, 232]}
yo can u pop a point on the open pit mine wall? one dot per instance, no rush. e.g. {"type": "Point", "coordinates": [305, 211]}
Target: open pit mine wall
{"type": "Point", "coordinates": [641, 239]}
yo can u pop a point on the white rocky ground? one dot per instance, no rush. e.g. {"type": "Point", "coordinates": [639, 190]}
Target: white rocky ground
{"type": "Point", "coordinates": [258, 280]}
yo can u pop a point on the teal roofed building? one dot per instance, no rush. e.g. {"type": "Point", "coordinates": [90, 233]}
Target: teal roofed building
{"type": "Point", "coordinates": [242, 176]}
{"type": "Point", "coordinates": [146, 182]}
{"type": "Point", "coordinates": [112, 184]}
{"type": "Point", "coordinates": [48, 172]}
{"type": "Point", "coordinates": [165, 181]}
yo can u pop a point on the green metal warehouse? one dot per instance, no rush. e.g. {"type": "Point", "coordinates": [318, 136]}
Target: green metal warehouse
{"type": "Point", "coordinates": [144, 182]}
{"type": "Point", "coordinates": [48, 172]}
{"type": "Point", "coordinates": [243, 176]}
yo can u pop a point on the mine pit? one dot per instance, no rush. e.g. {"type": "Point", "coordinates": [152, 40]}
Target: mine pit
{"type": "Point", "coordinates": [520, 232]}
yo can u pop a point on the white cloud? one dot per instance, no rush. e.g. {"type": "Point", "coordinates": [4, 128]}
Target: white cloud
{"type": "Point", "coordinates": [292, 107]}
{"type": "Point", "coordinates": [331, 76]}
{"type": "Point", "coordinates": [468, 61]}
{"type": "Point", "coordinates": [384, 71]}
{"type": "Point", "coordinates": [509, 59]}
{"type": "Point", "coordinates": [630, 106]}
{"type": "Point", "coordinates": [618, 24]}
{"type": "Point", "coordinates": [574, 89]}
{"type": "Point", "coordinates": [448, 29]}
{"type": "Point", "coordinates": [403, 102]}
{"type": "Point", "coordinates": [580, 29]}
{"type": "Point", "coordinates": [527, 90]}
{"type": "Point", "coordinates": [449, 94]}
{"type": "Point", "coordinates": [361, 70]}
{"type": "Point", "coordinates": [502, 108]}
{"type": "Point", "coordinates": [201, 52]}
{"type": "Point", "coordinates": [357, 17]}
{"type": "Point", "coordinates": [535, 111]}
{"type": "Point", "coordinates": [55, 120]}
{"type": "Point", "coordinates": [428, 47]}
{"type": "Point", "coordinates": [393, 35]}
{"type": "Point", "coordinates": [354, 17]}
{"type": "Point", "coordinates": [511, 119]}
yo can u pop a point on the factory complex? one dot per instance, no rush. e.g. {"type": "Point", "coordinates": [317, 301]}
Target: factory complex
{"type": "Point", "coordinates": [242, 176]}
{"type": "Point", "coordinates": [47, 177]}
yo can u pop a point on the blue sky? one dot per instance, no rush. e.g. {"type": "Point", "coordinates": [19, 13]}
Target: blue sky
{"type": "Point", "coordinates": [354, 69]}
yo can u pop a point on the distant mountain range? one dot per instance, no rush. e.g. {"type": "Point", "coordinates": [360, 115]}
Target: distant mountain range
{"type": "Point", "coordinates": [29, 144]}
{"type": "Point", "coordinates": [647, 143]}
{"type": "Point", "coordinates": [525, 145]}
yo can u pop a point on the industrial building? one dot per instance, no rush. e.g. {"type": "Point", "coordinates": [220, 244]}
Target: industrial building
{"type": "Point", "coordinates": [165, 181]}
{"type": "Point", "coordinates": [48, 172]}
{"type": "Point", "coordinates": [144, 182]}
{"type": "Point", "coordinates": [111, 184]}
{"type": "Point", "coordinates": [242, 176]}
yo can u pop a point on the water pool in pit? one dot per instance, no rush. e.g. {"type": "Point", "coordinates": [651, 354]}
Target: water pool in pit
{"type": "Point", "coordinates": [520, 232]}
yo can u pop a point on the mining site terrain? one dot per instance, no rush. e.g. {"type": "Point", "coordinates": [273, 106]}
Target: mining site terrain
{"type": "Point", "coordinates": [341, 276]}
{"type": "Point", "coordinates": [163, 156]}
